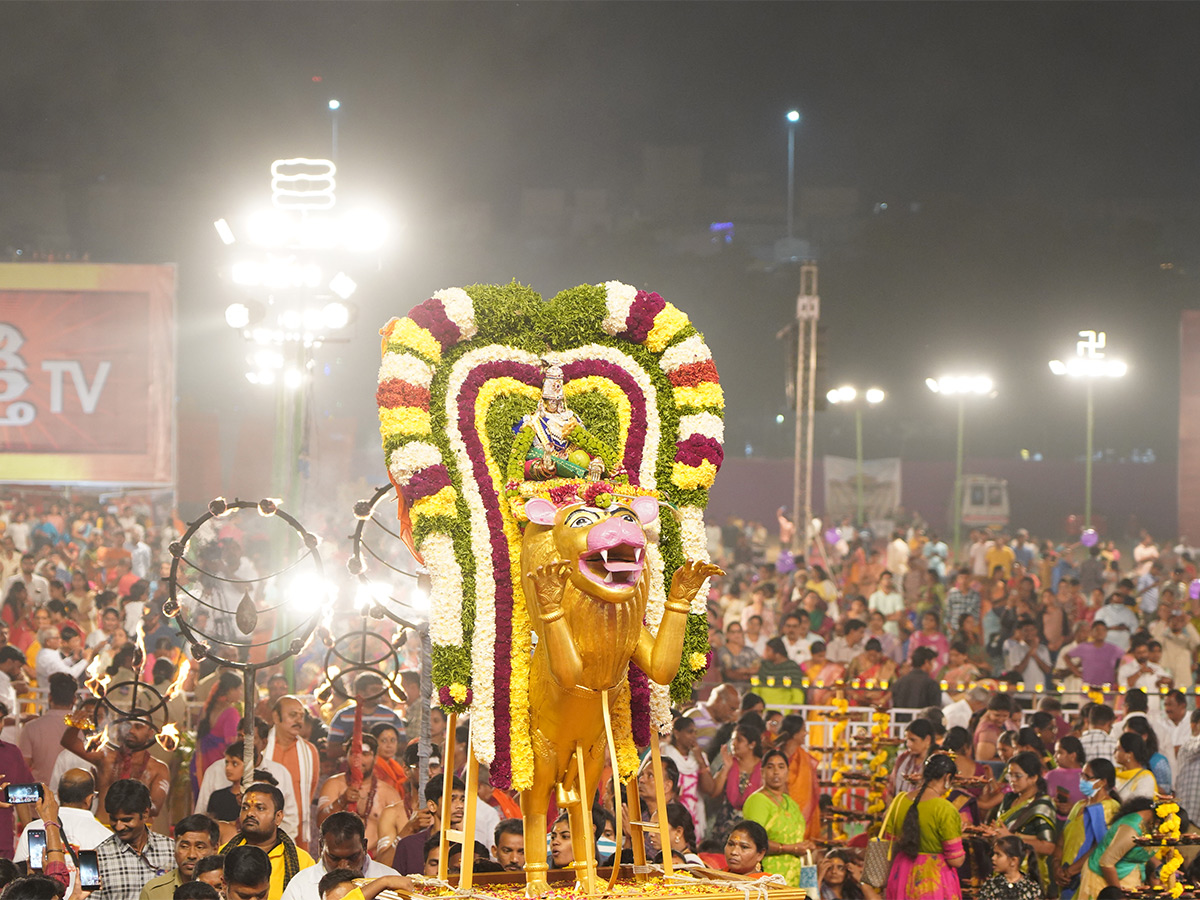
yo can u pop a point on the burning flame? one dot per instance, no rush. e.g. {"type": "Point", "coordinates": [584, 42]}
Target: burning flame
{"type": "Point", "coordinates": [175, 688]}
{"type": "Point", "coordinates": [97, 741]}
{"type": "Point", "coordinates": [168, 737]}
{"type": "Point", "coordinates": [97, 679]}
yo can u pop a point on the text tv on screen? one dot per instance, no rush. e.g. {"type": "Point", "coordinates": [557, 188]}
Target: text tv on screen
{"type": "Point", "coordinates": [87, 374]}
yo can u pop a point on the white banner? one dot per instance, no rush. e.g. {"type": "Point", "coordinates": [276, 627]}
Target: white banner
{"type": "Point", "coordinates": [880, 488]}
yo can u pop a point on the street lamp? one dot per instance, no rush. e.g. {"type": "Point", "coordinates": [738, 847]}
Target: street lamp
{"type": "Point", "coordinates": [793, 119]}
{"type": "Point", "coordinates": [334, 106]}
{"type": "Point", "coordinates": [847, 395]}
{"type": "Point", "coordinates": [1089, 363]}
{"type": "Point", "coordinates": [960, 387]}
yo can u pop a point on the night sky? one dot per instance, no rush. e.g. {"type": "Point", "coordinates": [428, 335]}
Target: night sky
{"type": "Point", "coordinates": [1039, 162]}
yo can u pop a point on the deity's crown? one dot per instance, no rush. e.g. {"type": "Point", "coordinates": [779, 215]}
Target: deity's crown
{"type": "Point", "coordinates": [552, 383]}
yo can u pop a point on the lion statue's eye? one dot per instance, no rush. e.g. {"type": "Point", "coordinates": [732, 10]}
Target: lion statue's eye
{"type": "Point", "coordinates": [582, 518]}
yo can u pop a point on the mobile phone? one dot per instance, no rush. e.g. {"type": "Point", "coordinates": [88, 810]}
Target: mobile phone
{"type": "Point", "coordinates": [89, 871]}
{"type": "Point", "coordinates": [23, 793]}
{"type": "Point", "coordinates": [37, 849]}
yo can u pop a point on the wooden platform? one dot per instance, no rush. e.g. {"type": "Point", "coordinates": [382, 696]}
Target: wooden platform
{"type": "Point", "coordinates": [686, 884]}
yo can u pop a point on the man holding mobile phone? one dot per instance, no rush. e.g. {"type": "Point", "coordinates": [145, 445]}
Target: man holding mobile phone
{"type": "Point", "coordinates": [73, 814]}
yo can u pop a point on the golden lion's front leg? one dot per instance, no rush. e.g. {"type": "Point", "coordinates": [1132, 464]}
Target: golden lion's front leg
{"type": "Point", "coordinates": [563, 656]}
{"type": "Point", "coordinates": [659, 656]}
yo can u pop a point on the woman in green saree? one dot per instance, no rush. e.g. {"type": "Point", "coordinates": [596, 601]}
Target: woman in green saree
{"type": "Point", "coordinates": [1117, 861]}
{"type": "Point", "coordinates": [1028, 813]}
{"type": "Point", "coordinates": [773, 808]}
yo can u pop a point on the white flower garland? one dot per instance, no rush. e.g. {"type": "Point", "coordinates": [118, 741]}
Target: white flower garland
{"type": "Point", "coordinates": [695, 546]}
{"type": "Point", "coordinates": [406, 367]}
{"type": "Point", "coordinates": [483, 643]}
{"type": "Point", "coordinates": [460, 309]}
{"type": "Point", "coordinates": [646, 477]}
{"type": "Point", "coordinates": [618, 302]}
{"type": "Point", "coordinates": [703, 423]}
{"type": "Point", "coordinates": [660, 694]}
{"type": "Point", "coordinates": [689, 350]}
{"type": "Point", "coordinates": [410, 458]}
{"type": "Point", "coordinates": [445, 591]}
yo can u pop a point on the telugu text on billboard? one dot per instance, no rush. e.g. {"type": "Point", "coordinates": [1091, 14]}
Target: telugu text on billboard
{"type": "Point", "coordinates": [86, 374]}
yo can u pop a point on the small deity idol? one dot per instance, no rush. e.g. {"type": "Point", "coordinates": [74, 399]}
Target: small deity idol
{"type": "Point", "coordinates": [553, 453]}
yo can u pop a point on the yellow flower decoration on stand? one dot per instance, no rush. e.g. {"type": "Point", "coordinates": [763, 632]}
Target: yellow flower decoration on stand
{"type": "Point", "coordinates": [1169, 828]}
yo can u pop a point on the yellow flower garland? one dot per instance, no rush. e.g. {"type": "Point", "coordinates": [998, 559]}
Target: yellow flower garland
{"type": "Point", "coordinates": [667, 324]}
{"type": "Point", "coordinates": [403, 420]}
{"type": "Point", "coordinates": [692, 477]}
{"type": "Point", "coordinates": [440, 504]}
{"type": "Point", "coordinates": [408, 333]}
{"type": "Point", "coordinates": [707, 393]}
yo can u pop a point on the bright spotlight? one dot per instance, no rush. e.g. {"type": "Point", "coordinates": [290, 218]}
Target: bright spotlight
{"type": "Point", "coordinates": [874, 395]}
{"type": "Point", "coordinates": [225, 232]}
{"type": "Point", "coordinates": [1058, 367]}
{"type": "Point", "coordinates": [779, 419]}
{"type": "Point", "coordinates": [293, 378]}
{"type": "Point", "coordinates": [793, 115]}
{"type": "Point", "coordinates": [364, 230]}
{"type": "Point", "coordinates": [310, 595]}
{"type": "Point", "coordinates": [335, 104]}
{"type": "Point", "coordinates": [313, 320]}
{"type": "Point", "coordinates": [932, 384]}
{"type": "Point", "coordinates": [335, 315]}
{"type": "Point", "coordinates": [290, 319]}
{"type": "Point", "coordinates": [237, 315]}
{"type": "Point", "coordinates": [846, 394]}
{"type": "Point", "coordinates": [344, 286]}
{"type": "Point", "coordinates": [268, 228]}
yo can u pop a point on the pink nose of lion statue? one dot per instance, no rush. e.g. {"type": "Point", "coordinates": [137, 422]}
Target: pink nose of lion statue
{"type": "Point", "coordinates": [614, 532]}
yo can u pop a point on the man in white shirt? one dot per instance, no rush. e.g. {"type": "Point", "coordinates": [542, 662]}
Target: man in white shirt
{"type": "Point", "coordinates": [49, 660]}
{"type": "Point", "coordinates": [844, 648]}
{"type": "Point", "coordinates": [1121, 621]}
{"type": "Point", "coordinates": [960, 711]}
{"type": "Point", "coordinates": [37, 586]}
{"type": "Point", "coordinates": [1179, 727]}
{"type": "Point", "coordinates": [139, 553]}
{"type": "Point", "coordinates": [80, 828]}
{"type": "Point", "coordinates": [796, 637]}
{"type": "Point", "coordinates": [1027, 656]}
{"type": "Point", "coordinates": [977, 553]}
{"type": "Point", "coordinates": [897, 555]}
{"type": "Point", "coordinates": [887, 600]}
{"type": "Point", "coordinates": [1139, 672]}
{"type": "Point", "coordinates": [343, 846]}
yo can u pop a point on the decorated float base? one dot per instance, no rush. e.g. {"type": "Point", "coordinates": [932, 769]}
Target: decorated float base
{"type": "Point", "coordinates": [651, 884]}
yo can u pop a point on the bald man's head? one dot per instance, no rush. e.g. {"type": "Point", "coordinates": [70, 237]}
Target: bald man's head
{"type": "Point", "coordinates": [76, 788]}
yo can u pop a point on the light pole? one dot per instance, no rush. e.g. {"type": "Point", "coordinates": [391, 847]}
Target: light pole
{"type": "Point", "coordinates": [847, 395]}
{"type": "Point", "coordinates": [793, 119]}
{"type": "Point", "coordinates": [960, 387]}
{"type": "Point", "coordinates": [1089, 363]}
{"type": "Point", "coordinates": [334, 106]}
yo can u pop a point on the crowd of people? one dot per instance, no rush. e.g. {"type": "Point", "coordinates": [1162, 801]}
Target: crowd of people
{"type": "Point", "coordinates": [1038, 790]}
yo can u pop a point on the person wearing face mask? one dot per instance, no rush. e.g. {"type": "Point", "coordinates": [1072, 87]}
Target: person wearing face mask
{"type": "Point", "coordinates": [1086, 824]}
{"type": "Point", "coordinates": [926, 834]}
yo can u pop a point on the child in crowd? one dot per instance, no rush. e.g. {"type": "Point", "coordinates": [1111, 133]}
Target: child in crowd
{"type": "Point", "coordinates": [1008, 883]}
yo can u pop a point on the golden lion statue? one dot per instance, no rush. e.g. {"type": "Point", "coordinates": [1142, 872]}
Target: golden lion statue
{"type": "Point", "coordinates": [586, 583]}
